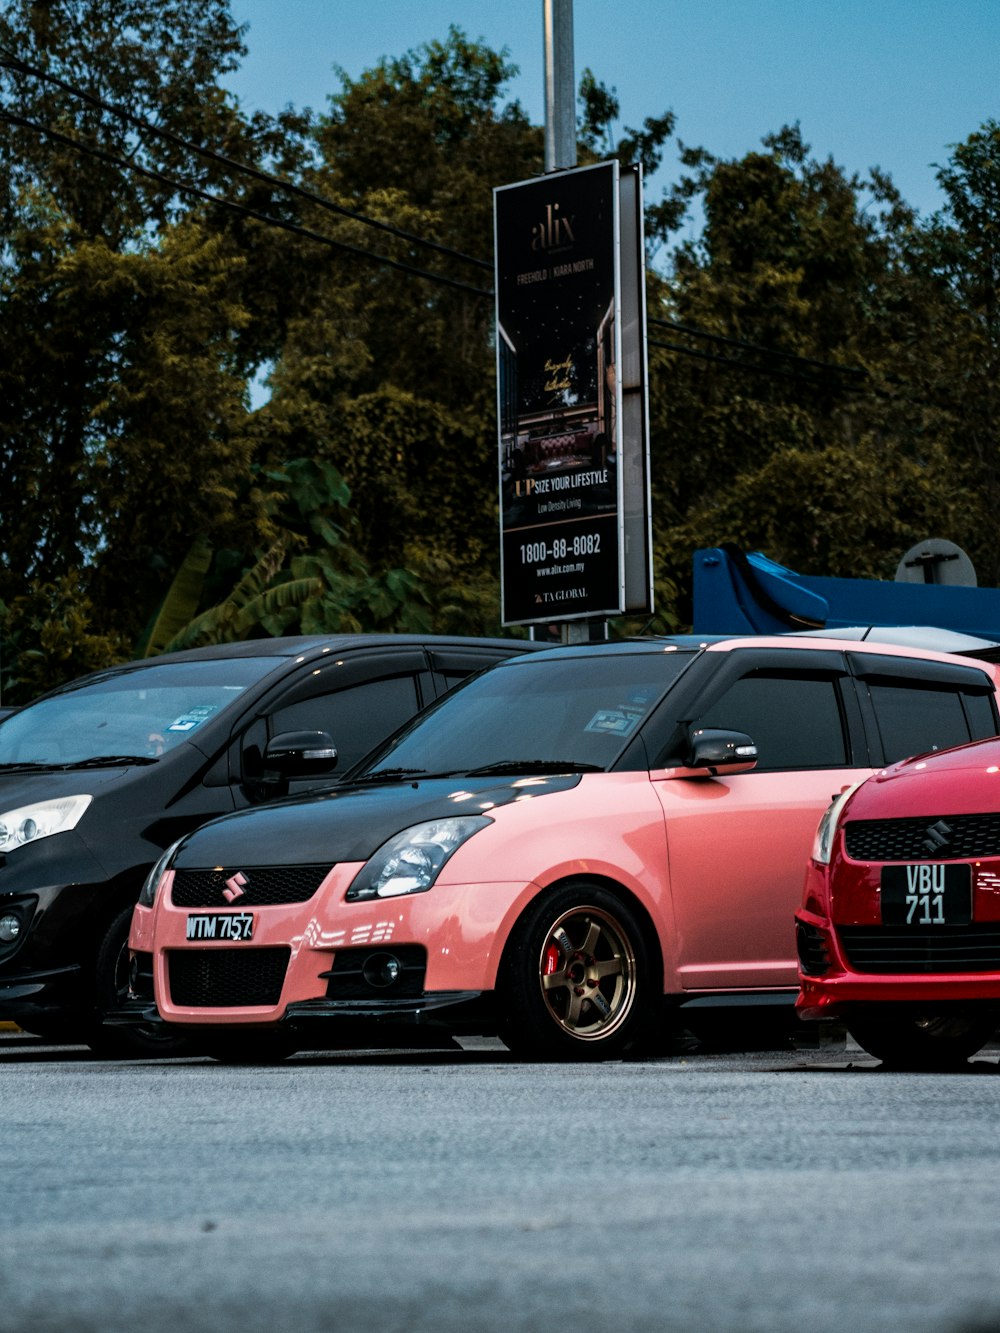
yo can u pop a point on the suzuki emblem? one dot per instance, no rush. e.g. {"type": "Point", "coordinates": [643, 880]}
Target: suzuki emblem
{"type": "Point", "coordinates": [234, 887]}
{"type": "Point", "coordinates": [938, 836]}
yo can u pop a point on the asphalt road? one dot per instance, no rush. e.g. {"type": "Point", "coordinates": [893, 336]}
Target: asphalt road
{"type": "Point", "coordinates": [774, 1190]}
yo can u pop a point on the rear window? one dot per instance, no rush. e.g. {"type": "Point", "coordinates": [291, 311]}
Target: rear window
{"type": "Point", "coordinates": [914, 721]}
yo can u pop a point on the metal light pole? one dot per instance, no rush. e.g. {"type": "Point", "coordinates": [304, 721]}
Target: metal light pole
{"type": "Point", "coordinates": [560, 86]}
{"type": "Point", "coordinates": [560, 153]}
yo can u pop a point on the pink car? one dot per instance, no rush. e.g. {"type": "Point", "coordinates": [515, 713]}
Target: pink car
{"type": "Point", "coordinates": [899, 932]}
{"type": "Point", "coordinates": [555, 850]}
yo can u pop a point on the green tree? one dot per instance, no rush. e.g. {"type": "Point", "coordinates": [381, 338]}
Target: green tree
{"type": "Point", "coordinates": [809, 428]}
{"type": "Point", "coordinates": [309, 580]}
{"type": "Point", "coordinates": [385, 374]}
{"type": "Point", "coordinates": [124, 320]}
{"type": "Point", "coordinates": [956, 353]}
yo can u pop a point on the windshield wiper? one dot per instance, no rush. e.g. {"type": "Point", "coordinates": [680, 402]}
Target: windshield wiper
{"type": "Point", "coordinates": [397, 775]}
{"type": "Point", "coordinates": [95, 761]}
{"type": "Point", "coordinates": [534, 766]}
{"type": "Point", "coordinates": [108, 761]}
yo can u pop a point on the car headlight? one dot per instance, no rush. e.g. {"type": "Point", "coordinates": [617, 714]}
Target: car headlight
{"type": "Point", "coordinates": [147, 895]}
{"type": "Point", "coordinates": [411, 861]}
{"type": "Point", "coordinates": [30, 822]}
{"type": "Point", "coordinates": [823, 842]}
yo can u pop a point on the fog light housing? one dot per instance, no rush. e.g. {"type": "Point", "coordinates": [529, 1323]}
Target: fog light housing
{"type": "Point", "coordinates": [382, 970]}
{"type": "Point", "coordinates": [814, 951]}
{"type": "Point", "coordinates": [10, 927]}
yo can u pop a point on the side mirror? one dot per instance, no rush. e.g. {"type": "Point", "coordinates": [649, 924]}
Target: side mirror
{"type": "Point", "coordinates": [714, 750]}
{"type": "Point", "coordinates": [300, 754]}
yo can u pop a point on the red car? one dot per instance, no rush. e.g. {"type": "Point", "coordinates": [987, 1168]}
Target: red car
{"type": "Point", "coordinates": [899, 931]}
{"type": "Point", "coordinates": [559, 849]}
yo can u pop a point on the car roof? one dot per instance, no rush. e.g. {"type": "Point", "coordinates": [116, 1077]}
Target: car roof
{"type": "Point", "coordinates": [304, 645]}
{"type": "Point", "coordinates": [931, 637]}
{"type": "Point", "coordinates": [297, 646]}
{"type": "Point", "coordinates": [916, 641]}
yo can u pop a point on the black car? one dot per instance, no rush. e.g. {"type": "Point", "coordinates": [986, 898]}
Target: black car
{"type": "Point", "coordinates": [99, 776]}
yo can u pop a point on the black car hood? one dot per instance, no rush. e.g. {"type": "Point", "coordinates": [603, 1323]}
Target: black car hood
{"type": "Point", "coordinates": [24, 786]}
{"type": "Point", "coordinates": [347, 823]}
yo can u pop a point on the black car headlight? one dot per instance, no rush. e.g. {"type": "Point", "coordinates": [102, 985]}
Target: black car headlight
{"type": "Point", "coordinates": [411, 861]}
{"type": "Point", "coordinates": [29, 823]}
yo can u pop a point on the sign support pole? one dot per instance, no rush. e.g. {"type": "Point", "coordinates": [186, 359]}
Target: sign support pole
{"type": "Point", "coordinates": [560, 154]}
{"type": "Point", "coordinates": [560, 89]}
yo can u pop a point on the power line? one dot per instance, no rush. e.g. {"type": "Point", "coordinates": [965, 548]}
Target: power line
{"type": "Point", "coordinates": [748, 365]}
{"type": "Point", "coordinates": [756, 347]}
{"type": "Point", "coordinates": [12, 62]}
{"type": "Point", "coordinates": [9, 61]}
{"type": "Point", "coordinates": [103, 155]}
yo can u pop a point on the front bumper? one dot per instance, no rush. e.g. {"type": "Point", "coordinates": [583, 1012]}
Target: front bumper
{"type": "Point", "coordinates": [342, 1024]}
{"type": "Point", "coordinates": [26, 997]}
{"type": "Point", "coordinates": [445, 946]}
{"type": "Point", "coordinates": [838, 988]}
{"type": "Point", "coordinates": [56, 890]}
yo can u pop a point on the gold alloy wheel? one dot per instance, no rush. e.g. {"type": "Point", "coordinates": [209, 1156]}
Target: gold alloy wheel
{"type": "Point", "coordinates": [587, 971]}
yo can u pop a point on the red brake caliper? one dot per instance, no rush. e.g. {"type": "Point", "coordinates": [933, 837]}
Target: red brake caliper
{"type": "Point", "coordinates": [553, 957]}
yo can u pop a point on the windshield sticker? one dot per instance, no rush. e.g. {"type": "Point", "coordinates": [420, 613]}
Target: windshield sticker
{"type": "Point", "coordinates": [642, 698]}
{"type": "Point", "coordinates": [614, 721]}
{"type": "Point", "coordinates": [193, 718]}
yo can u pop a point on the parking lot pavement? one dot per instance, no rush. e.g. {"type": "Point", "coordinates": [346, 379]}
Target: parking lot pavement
{"type": "Point", "coordinates": [818, 1049]}
{"type": "Point", "coordinates": [440, 1191]}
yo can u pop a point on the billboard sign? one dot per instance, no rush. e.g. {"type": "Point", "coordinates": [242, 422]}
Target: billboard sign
{"type": "Point", "coordinates": [559, 396]}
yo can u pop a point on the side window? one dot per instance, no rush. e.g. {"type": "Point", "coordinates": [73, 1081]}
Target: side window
{"type": "Point", "coordinates": [795, 721]}
{"type": "Point", "coordinates": [453, 665]}
{"type": "Point", "coordinates": [912, 720]}
{"type": "Point", "coordinates": [357, 717]}
{"type": "Point", "coordinates": [980, 712]}
{"type": "Point", "coordinates": [447, 680]}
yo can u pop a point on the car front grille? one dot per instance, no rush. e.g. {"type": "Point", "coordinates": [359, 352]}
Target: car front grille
{"type": "Point", "coordinates": [225, 978]}
{"type": "Point", "coordinates": [262, 886]}
{"type": "Point", "coordinates": [974, 948]}
{"type": "Point", "coordinates": [949, 838]}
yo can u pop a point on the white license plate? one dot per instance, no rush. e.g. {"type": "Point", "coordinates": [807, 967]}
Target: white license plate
{"type": "Point", "coordinates": [220, 926]}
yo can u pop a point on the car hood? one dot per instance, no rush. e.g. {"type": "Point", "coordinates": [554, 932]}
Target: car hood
{"type": "Point", "coordinates": [349, 823]}
{"type": "Point", "coordinates": [25, 786]}
{"type": "Point", "coordinates": [963, 780]}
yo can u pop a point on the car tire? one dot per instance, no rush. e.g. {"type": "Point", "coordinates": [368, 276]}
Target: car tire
{"type": "Point", "coordinates": [110, 981]}
{"type": "Point", "coordinates": [924, 1040]}
{"type": "Point", "coordinates": [575, 980]}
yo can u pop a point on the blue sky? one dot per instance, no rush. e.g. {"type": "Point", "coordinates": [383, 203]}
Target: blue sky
{"type": "Point", "coordinates": [872, 82]}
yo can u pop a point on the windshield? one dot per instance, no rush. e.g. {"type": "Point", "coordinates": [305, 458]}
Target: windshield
{"type": "Point", "coordinates": [572, 713]}
{"type": "Point", "coordinates": [136, 714]}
